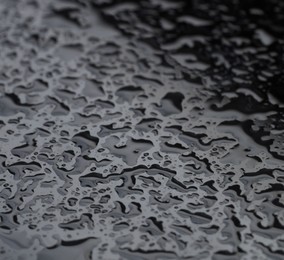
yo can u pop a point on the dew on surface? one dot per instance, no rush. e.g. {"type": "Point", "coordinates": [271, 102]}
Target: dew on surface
{"type": "Point", "coordinates": [146, 129]}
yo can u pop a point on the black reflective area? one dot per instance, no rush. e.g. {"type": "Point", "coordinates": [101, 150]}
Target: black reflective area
{"type": "Point", "coordinates": [141, 129]}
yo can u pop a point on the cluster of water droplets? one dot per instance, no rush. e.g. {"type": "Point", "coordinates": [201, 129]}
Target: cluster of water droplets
{"type": "Point", "coordinates": [161, 139]}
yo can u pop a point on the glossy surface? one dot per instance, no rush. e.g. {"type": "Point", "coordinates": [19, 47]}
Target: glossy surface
{"type": "Point", "coordinates": [141, 130]}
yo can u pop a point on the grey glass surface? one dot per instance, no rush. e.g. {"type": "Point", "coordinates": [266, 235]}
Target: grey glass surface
{"type": "Point", "coordinates": [146, 129]}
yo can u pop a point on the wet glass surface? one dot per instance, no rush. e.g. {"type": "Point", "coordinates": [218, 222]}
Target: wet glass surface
{"type": "Point", "coordinates": [148, 129]}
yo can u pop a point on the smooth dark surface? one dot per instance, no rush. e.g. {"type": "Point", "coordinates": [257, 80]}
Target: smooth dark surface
{"type": "Point", "coordinates": [141, 130]}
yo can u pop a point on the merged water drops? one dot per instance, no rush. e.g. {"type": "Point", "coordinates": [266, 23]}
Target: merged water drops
{"type": "Point", "coordinates": [141, 129]}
